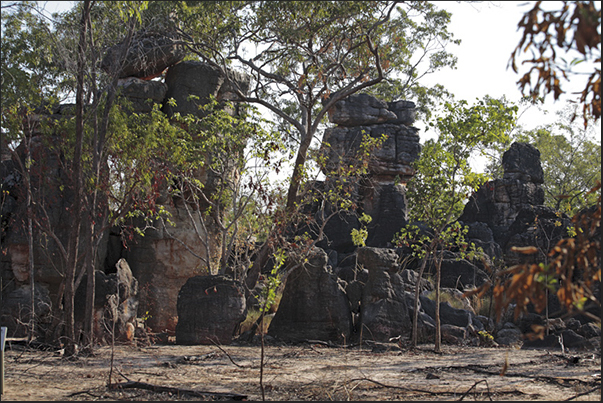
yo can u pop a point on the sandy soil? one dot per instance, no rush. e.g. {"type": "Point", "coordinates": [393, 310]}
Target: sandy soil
{"type": "Point", "coordinates": [305, 372]}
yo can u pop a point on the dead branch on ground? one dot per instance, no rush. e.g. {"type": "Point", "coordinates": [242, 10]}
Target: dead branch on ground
{"type": "Point", "coordinates": [176, 391]}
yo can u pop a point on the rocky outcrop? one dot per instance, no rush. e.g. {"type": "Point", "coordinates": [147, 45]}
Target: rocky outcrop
{"type": "Point", "coordinates": [210, 310]}
{"type": "Point", "coordinates": [165, 258]}
{"type": "Point", "coordinates": [513, 208]}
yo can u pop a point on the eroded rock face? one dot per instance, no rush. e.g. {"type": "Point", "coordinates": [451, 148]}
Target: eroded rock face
{"type": "Point", "coordinates": [384, 311]}
{"type": "Point", "coordinates": [210, 310]}
{"type": "Point", "coordinates": [313, 305]}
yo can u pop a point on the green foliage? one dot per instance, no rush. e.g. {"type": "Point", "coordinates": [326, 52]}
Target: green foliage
{"type": "Point", "coordinates": [30, 75]}
{"type": "Point", "coordinates": [444, 178]}
{"type": "Point", "coordinates": [359, 235]}
{"type": "Point", "coordinates": [272, 282]}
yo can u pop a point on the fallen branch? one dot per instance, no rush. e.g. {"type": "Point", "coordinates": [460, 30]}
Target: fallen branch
{"type": "Point", "coordinates": [383, 385]}
{"type": "Point", "coordinates": [474, 385]}
{"type": "Point", "coordinates": [588, 392]}
{"type": "Point", "coordinates": [176, 391]}
{"type": "Point", "coordinates": [228, 355]}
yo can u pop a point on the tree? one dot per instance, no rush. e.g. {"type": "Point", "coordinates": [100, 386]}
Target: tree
{"type": "Point", "coordinates": [573, 28]}
{"type": "Point", "coordinates": [444, 180]}
{"type": "Point", "coordinates": [309, 55]}
{"type": "Point", "coordinates": [112, 159]}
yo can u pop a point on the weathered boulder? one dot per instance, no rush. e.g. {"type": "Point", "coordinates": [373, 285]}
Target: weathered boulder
{"type": "Point", "coordinates": [192, 83]}
{"type": "Point", "coordinates": [148, 55]}
{"type": "Point", "coordinates": [142, 94]}
{"type": "Point", "coordinates": [313, 305]}
{"type": "Point", "coordinates": [210, 310]}
{"type": "Point", "coordinates": [360, 109]}
{"type": "Point", "coordinates": [384, 310]}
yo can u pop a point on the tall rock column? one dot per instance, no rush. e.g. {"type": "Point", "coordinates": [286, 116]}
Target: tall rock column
{"type": "Point", "coordinates": [382, 194]}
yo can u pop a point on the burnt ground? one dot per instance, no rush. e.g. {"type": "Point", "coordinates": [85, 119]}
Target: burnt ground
{"type": "Point", "coordinates": [309, 371]}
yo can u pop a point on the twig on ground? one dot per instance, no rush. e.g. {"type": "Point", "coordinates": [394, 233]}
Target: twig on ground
{"type": "Point", "coordinates": [588, 392]}
{"type": "Point", "coordinates": [228, 355]}
{"type": "Point", "coordinates": [474, 385]}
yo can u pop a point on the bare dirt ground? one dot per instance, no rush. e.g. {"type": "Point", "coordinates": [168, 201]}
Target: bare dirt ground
{"type": "Point", "coordinates": [304, 372]}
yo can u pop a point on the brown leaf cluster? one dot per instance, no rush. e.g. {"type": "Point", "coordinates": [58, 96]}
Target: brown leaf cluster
{"type": "Point", "coordinates": [564, 29]}
{"type": "Point", "coordinates": [573, 271]}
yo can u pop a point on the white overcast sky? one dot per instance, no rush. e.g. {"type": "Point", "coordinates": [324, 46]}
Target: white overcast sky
{"type": "Point", "coordinates": [488, 33]}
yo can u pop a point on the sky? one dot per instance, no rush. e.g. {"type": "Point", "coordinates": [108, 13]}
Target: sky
{"type": "Point", "coordinates": [488, 33]}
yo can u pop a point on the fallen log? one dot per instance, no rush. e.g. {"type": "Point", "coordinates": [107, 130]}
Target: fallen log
{"type": "Point", "coordinates": [177, 391]}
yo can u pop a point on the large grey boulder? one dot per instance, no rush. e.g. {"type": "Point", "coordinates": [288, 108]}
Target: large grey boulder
{"type": "Point", "coordinates": [360, 109]}
{"type": "Point", "coordinates": [313, 305]}
{"type": "Point", "coordinates": [210, 310]}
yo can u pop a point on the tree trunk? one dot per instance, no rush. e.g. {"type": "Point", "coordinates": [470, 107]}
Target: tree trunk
{"type": "Point", "coordinates": [70, 342]}
{"type": "Point", "coordinates": [438, 330]}
{"type": "Point", "coordinates": [415, 322]}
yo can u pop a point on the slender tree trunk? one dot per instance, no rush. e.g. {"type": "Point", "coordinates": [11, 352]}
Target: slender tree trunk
{"type": "Point", "coordinates": [30, 260]}
{"type": "Point", "coordinates": [438, 330]}
{"type": "Point", "coordinates": [415, 322]}
{"type": "Point", "coordinates": [70, 341]}
{"type": "Point", "coordinates": [300, 162]}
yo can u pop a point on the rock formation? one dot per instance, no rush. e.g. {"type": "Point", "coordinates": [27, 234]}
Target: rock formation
{"type": "Point", "coordinates": [513, 208]}
{"type": "Point", "coordinates": [382, 193]}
